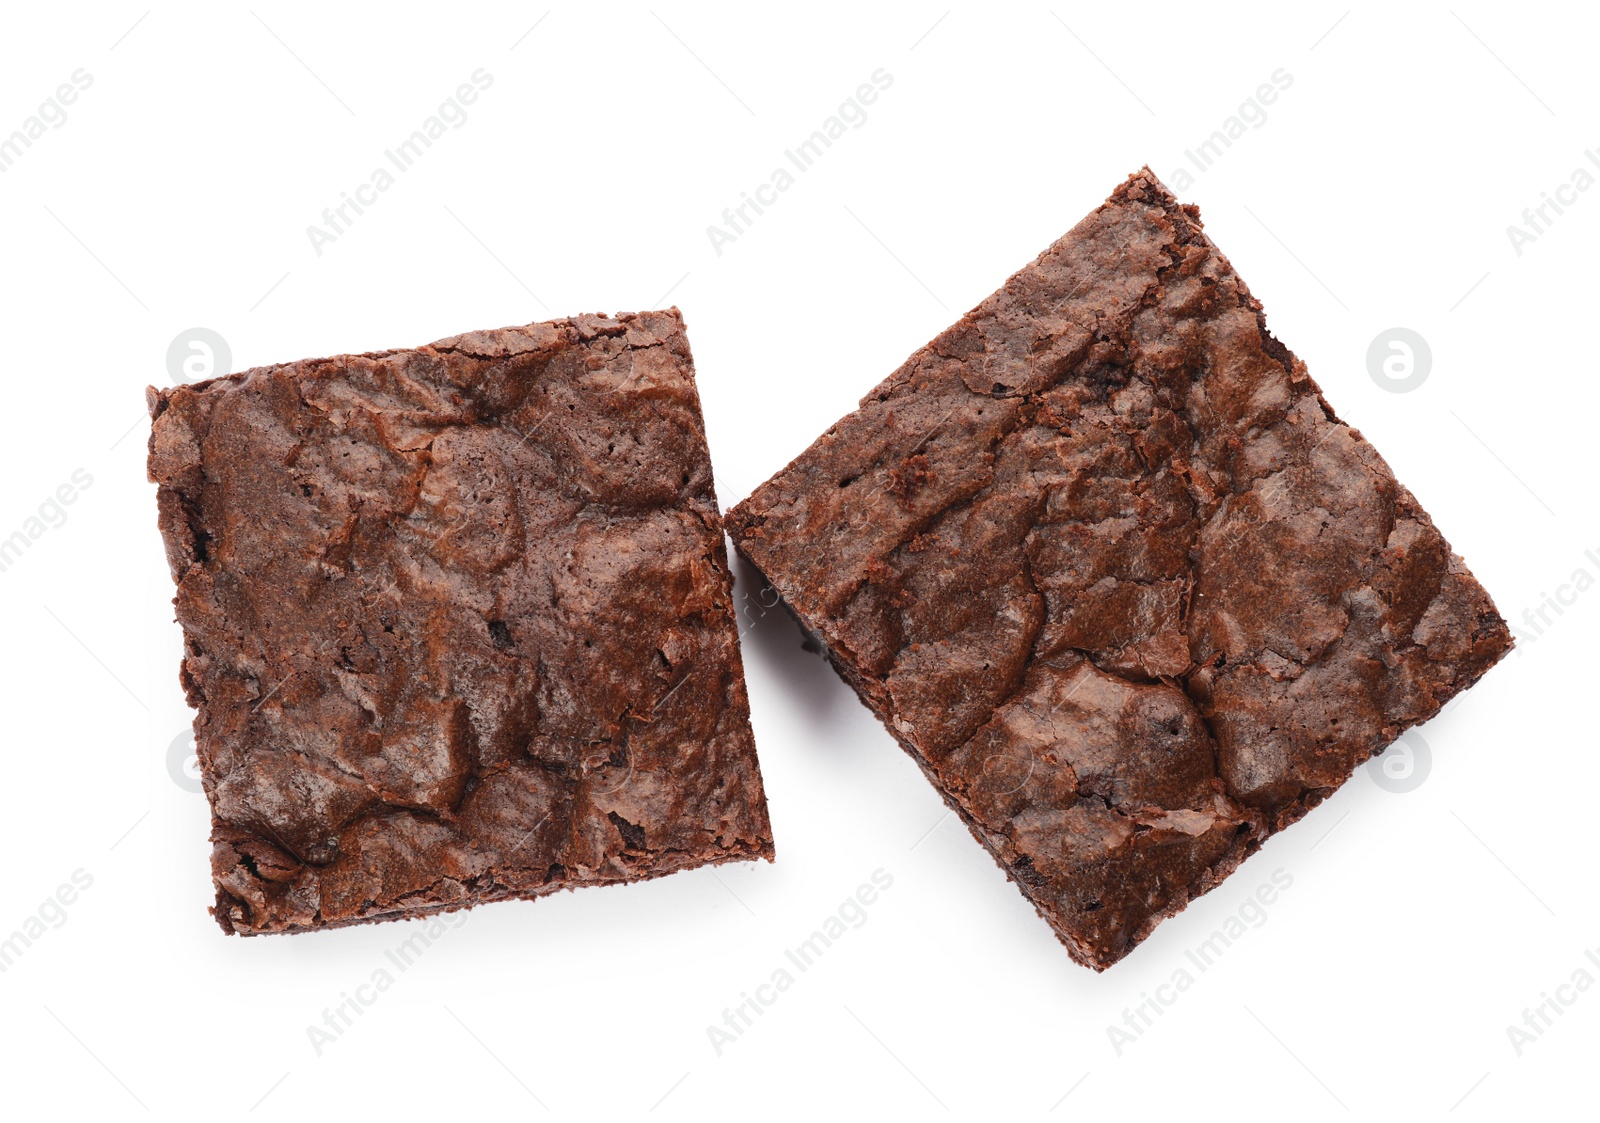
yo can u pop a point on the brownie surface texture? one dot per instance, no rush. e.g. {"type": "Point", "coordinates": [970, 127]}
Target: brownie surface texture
{"type": "Point", "coordinates": [458, 623]}
{"type": "Point", "coordinates": [1111, 570]}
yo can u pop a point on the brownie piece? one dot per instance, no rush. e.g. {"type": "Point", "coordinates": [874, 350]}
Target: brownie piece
{"type": "Point", "coordinates": [1106, 564]}
{"type": "Point", "coordinates": [458, 623]}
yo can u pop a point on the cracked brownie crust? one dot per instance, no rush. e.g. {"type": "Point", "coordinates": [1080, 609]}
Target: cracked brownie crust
{"type": "Point", "coordinates": [458, 623]}
{"type": "Point", "coordinates": [1111, 570]}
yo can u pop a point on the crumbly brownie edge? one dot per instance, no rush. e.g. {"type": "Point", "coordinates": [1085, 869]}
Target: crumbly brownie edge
{"type": "Point", "coordinates": [871, 695]}
{"type": "Point", "coordinates": [738, 853]}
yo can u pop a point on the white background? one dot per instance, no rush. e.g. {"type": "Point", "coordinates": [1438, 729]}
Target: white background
{"type": "Point", "coordinates": [1377, 193]}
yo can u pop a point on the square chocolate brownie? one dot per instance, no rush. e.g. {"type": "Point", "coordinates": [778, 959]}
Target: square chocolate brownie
{"type": "Point", "coordinates": [1110, 569]}
{"type": "Point", "coordinates": [458, 623]}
